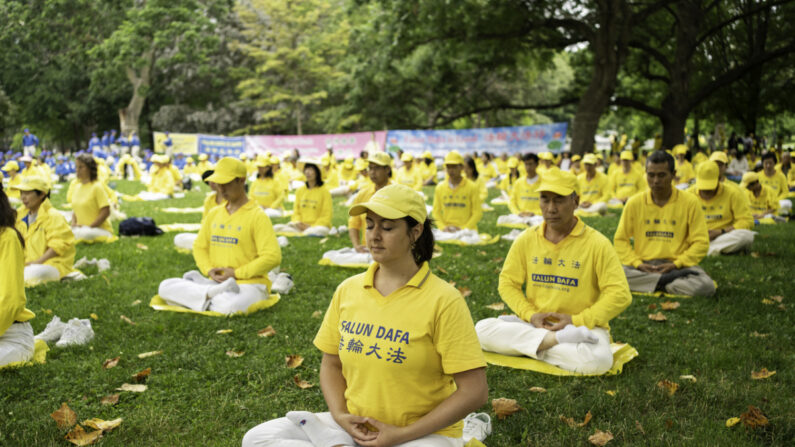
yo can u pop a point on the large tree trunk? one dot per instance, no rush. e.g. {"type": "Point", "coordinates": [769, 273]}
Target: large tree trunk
{"type": "Point", "coordinates": [140, 80]}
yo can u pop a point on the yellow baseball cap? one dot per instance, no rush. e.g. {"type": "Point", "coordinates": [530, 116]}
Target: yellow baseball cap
{"type": "Point", "coordinates": [680, 149]}
{"type": "Point", "coordinates": [406, 157]}
{"type": "Point", "coordinates": [348, 163]}
{"type": "Point", "coordinates": [427, 154]}
{"type": "Point", "coordinates": [589, 159]}
{"type": "Point", "coordinates": [546, 155]}
{"type": "Point", "coordinates": [202, 157]}
{"type": "Point", "coordinates": [33, 183]}
{"type": "Point", "coordinates": [274, 160]}
{"type": "Point", "coordinates": [627, 155]}
{"type": "Point", "coordinates": [394, 202]}
{"type": "Point", "coordinates": [262, 161]}
{"type": "Point", "coordinates": [361, 164]}
{"type": "Point", "coordinates": [560, 182]}
{"type": "Point", "coordinates": [719, 156]}
{"type": "Point", "coordinates": [748, 178]}
{"type": "Point", "coordinates": [243, 156]}
{"type": "Point", "coordinates": [11, 166]}
{"type": "Point", "coordinates": [380, 158]}
{"type": "Point", "coordinates": [513, 163]}
{"type": "Point", "coordinates": [189, 160]}
{"type": "Point", "coordinates": [226, 170]}
{"type": "Point", "coordinates": [577, 157]}
{"type": "Point", "coordinates": [707, 175]}
{"type": "Point", "coordinates": [453, 158]}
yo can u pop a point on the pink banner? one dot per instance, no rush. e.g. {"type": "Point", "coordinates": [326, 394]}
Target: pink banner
{"type": "Point", "coordinates": [344, 144]}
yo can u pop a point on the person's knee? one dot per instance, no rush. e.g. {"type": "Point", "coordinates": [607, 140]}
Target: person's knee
{"type": "Point", "coordinates": [598, 361]}
{"type": "Point", "coordinates": [483, 326]}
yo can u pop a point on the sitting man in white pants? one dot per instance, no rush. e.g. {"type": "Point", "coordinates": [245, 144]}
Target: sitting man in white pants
{"type": "Point", "coordinates": [574, 287]}
{"type": "Point", "coordinates": [594, 187]}
{"type": "Point", "coordinates": [235, 249]}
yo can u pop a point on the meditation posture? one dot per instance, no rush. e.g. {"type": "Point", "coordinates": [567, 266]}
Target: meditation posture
{"type": "Point", "coordinates": [456, 202]}
{"type": "Point", "coordinates": [312, 211]}
{"type": "Point", "coordinates": [761, 199]}
{"type": "Point", "coordinates": [684, 169]}
{"type": "Point", "coordinates": [574, 286]}
{"type": "Point", "coordinates": [235, 249]}
{"type": "Point", "coordinates": [161, 183]}
{"type": "Point", "coordinates": [49, 242]}
{"type": "Point", "coordinates": [625, 181]}
{"type": "Point", "coordinates": [379, 171]}
{"type": "Point", "coordinates": [670, 236]}
{"type": "Point", "coordinates": [12, 169]}
{"type": "Point", "coordinates": [401, 362]}
{"type": "Point", "coordinates": [90, 203]}
{"type": "Point", "coordinates": [523, 203]}
{"type": "Point", "coordinates": [266, 190]}
{"type": "Point", "coordinates": [16, 334]}
{"type": "Point", "coordinates": [776, 181]}
{"type": "Point", "coordinates": [594, 187]}
{"type": "Point", "coordinates": [409, 174]}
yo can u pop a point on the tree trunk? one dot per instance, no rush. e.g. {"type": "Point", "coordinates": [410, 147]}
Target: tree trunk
{"type": "Point", "coordinates": [140, 80]}
{"type": "Point", "coordinates": [673, 128]}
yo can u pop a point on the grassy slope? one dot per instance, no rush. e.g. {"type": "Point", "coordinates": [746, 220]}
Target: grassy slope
{"type": "Point", "coordinates": [199, 396]}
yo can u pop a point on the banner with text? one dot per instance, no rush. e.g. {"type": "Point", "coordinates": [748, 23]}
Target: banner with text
{"type": "Point", "coordinates": [221, 146]}
{"type": "Point", "coordinates": [185, 143]}
{"type": "Point", "coordinates": [512, 140]}
{"type": "Point", "coordinates": [344, 144]}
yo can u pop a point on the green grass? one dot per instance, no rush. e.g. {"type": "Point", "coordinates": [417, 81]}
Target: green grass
{"type": "Point", "coordinates": [199, 396]}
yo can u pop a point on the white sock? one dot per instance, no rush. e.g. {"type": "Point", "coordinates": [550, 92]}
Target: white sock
{"type": "Point", "coordinates": [575, 334]}
{"type": "Point", "coordinates": [230, 285]}
{"type": "Point", "coordinates": [319, 433]}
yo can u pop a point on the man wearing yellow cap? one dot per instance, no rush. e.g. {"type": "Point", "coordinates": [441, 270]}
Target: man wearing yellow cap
{"type": "Point", "coordinates": [161, 183]}
{"type": "Point", "coordinates": [12, 169]}
{"type": "Point", "coordinates": [428, 169]}
{"type": "Point", "coordinates": [574, 286]}
{"type": "Point", "coordinates": [625, 181]}
{"type": "Point", "coordinates": [409, 174]}
{"type": "Point", "coordinates": [576, 164]}
{"type": "Point", "coordinates": [684, 170]}
{"type": "Point", "coordinates": [508, 180]}
{"type": "Point", "coordinates": [776, 181]}
{"type": "Point", "coordinates": [594, 187]}
{"type": "Point", "coordinates": [546, 162]}
{"type": "Point", "coordinates": [266, 190]}
{"type": "Point", "coordinates": [379, 172]}
{"type": "Point", "coordinates": [670, 236]}
{"type": "Point", "coordinates": [524, 199]}
{"type": "Point", "coordinates": [722, 160]}
{"type": "Point", "coordinates": [234, 251]}
{"type": "Point", "coordinates": [761, 200]}
{"type": "Point", "coordinates": [203, 165]}
{"type": "Point", "coordinates": [456, 202]}
{"type": "Point", "coordinates": [729, 219]}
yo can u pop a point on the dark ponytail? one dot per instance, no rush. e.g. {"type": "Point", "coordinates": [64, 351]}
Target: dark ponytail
{"type": "Point", "coordinates": [8, 215]}
{"type": "Point", "coordinates": [422, 248]}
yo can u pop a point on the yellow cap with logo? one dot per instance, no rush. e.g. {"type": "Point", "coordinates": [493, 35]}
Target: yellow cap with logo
{"type": "Point", "coordinates": [226, 170]}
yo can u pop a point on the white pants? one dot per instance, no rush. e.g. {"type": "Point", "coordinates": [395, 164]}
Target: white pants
{"type": "Point", "coordinates": [598, 207]}
{"type": "Point", "coordinates": [16, 344]}
{"type": "Point", "coordinates": [731, 242]}
{"type": "Point", "coordinates": [311, 231]}
{"type": "Point", "coordinates": [615, 202]}
{"type": "Point", "coordinates": [283, 433]}
{"type": "Point", "coordinates": [699, 284]}
{"type": "Point", "coordinates": [510, 335]}
{"type": "Point", "coordinates": [786, 206]}
{"type": "Point", "coordinates": [185, 240]}
{"type": "Point", "coordinates": [348, 256]}
{"type": "Point", "coordinates": [150, 196]}
{"type": "Point", "coordinates": [193, 295]}
{"type": "Point", "coordinates": [683, 186]}
{"type": "Point", "coordinates": [274, 212]}
{"type": "Point", "coordinates": [135, 150]}
{"type": "Point", "coordinates": [38, 273]}
{"type": "Point", "coordinates": [340, 191]}
{"type": "Point", "coordinates": [465, 236]}
{"type": "Point", "coordinates": [89, 233]}
{"type": "Point", "coordinates": [29, 151]}
{"type": "Point", "coordinates": [515, 219]}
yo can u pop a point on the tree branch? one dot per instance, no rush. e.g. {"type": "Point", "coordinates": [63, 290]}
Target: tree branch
{"type": "Point", "coordinates": [730, 20]}
{"type": "Point", "coordinates": [653, 52]}
{"type": "Point", "coordinates": [637, 105]}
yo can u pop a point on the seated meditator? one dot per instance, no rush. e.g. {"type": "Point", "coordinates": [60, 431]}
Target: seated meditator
{"type": "Point", "coordinates": [266, 190]}
{"type": "Point", "coordinates": [761, 200]}
{"type": "Point", "coordinates": [574, 286]}
{"type": "Point", "coordinates": [776, 181]}
{"type": "Point", "coordinates": [726, 209]}
{"type": "Point", "coordinates": [401, 362]}
{"type": "Point", "coordinates": [313, 207]}
{"type": "Point", "coordinates": [456, 201]}
{"type": "Point", "coordinates": [523, 202]}
{"type": "Point", "coordinates": [380, 172]}
{"type": "Point", "coordinates": [669, 233]}
{"type": "Point", "coordinates": [234, 251]}
{"type": "Point", "coordinates": [594, 187]}
{"type": "Point", "coordinates": [625, 181]}
{"type": "Point", "coordinates": [90, 203]}
{"type": "Point", "coordinates": [161, 183]}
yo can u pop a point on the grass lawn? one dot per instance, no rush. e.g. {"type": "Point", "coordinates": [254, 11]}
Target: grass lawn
{"type": "Point", "coordinates": [199, 396]}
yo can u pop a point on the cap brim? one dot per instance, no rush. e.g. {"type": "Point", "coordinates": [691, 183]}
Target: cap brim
{"type": "Point", "coordinates": [705, 184]}
{"type": "Point", "coordinates": [560, 190]}
{"type": "Point", "coordinates": [219, 178]}
{"type": "Point", "coordinates": [387, 212]}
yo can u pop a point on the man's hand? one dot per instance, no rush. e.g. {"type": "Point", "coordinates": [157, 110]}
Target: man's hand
{"type": "Point", "coordinates": [585, 205]}
{"type": "Point", "coordinates": [451, 229]}
{"type": "Point", "coordinates": [648, 268]}
{"type": "Point", "coordinates": [221, 274]}
{"type": "Point", "coordinates": [666, 267]}
{"type": "Point", "coordinates": [660, 268]}
{"type": "Point", "coordinates": [526, 214]}
{"type": "Point", "coordinates": [551, 321]}
{"type": "Point", "coordinates": [355, 426]}
{"type": "Point", "coordinates": [714, 233]}
{"type": "Point", "coordinates": [299, 225]}
{"type": "Point", "coordinates": [385, 435]}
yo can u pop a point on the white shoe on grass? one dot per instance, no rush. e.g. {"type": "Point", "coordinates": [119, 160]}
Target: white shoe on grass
{"type": "Point", "coordinates": [53, 331]}
{"type": "Point", "coordinates": [77, 332]}
{"type": "Point", "coordinates": [477, 426]}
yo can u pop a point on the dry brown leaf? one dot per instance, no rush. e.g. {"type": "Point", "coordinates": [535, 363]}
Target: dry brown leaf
{"type": "Point", "coordinates": [48, 311]}
{"type": "Point", "coordinates": [538, 389]}
{"type": "Point", "coordinates": [465, 291]}
{"type": "Point", "coordinates": [782, 307]}
{"type": "Point", "coordinates": [223, 331]}
{"type": "Point", "coordinates": [657, 317]}
{"type": "Point", "coordinates": [758, 335]}
{"type": "Point", "coordinates": [652, 306]}
{"type": "Point", "coordinates": [64, 416]}
{"type": "Point", "coordinates": [754, 254]}
{"type": "Point", "coordinates": [293, 361]}
{"type": "Point", "coordinates": [232, 353]}
{"type": "Point", "coordinates": [442, 270]}
{"type": "Point", "coordinates": [670, 305]}
{"type": "Point", "coordinates": [317, 314]}
{"type": "Point", "coordinates": [465, 278]}
{"type": "Point", "coordinates": [668, 386]}
{"type": "Point", "coordinates": [78, 436]}
{"type": "Point", "coordinates": [689, 377]}
{"type": "Point", "coordinates": [141, 377]}
{"type": "Point", "coordinates": [110, 363]}
{"type": "Point", "coordinates": [761, 374]}
{"type": "Point", "coordinates": [457, 255]}
{"type": "Point", "coordinates": [112, 399]}
{"type": "Point", "coordinates": [573, 424]}
{"type": "Point", "coordinates": [496, 306]}
{"type": "Point", "coordinates": [777, 298]}
{"type": "Point", "coordinates": [132, 388]}
{"type": "Point", "coordinates": [303, 384]}
{"type": "Point", "coordinates": [126, 319]}
{"type": "Point", "coordinates": [504, 407]}
{"type": "Point", "coordinates": [639, 427]}
{"type": "Point", "coordinates": [94, 316]}
{"type": "Point", "coordinates": [149, 354]}
{"type": "Point", "coordinates": [324, 240]}
{"type": "Point", "coordinates": [267, 332]}
{"type": "Point", "coordinates": [600, 437]}
{"type": "Point", "coordinates": [135, 303]}
{"type": "Point", "coordinates": [141, 246]}
{"type": "Point", "coordinates": [498, 260]}
{"type": "Point", "coordinates": [753, 418]}
{"type": "Point", "coordinates": [482, 252]}
{"type": "Point", "coordinates": [99, 424]}
{"type": "Point", "coordinates": [768, 301]}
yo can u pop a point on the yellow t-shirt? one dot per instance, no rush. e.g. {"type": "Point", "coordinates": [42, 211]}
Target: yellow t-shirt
{"type": "Point", "coordinates": [267, 192]}
{"type": "Point", "coordinates": [685, 172]}
{"type": "Point", "coordinates": [331, 178]}
{"type": "Point", "coordinates": [50, 230]}
{"type": "Point", "coordinates": [12, 281]}
{"type": "Point", "coordinates": [244, 241]}
{"type": "Point", "coordinates": [507, 182]}
{"type": "Point", "coordinates": [428, 171]}
{"type": "Point", "coordinates": [580, 276]}
{"type": "Point", "coordinates": [210, 203]}
{"type": "Point", "coordinates": [595, 190]}
{"type": "Point", "coordinates": [410, 177]}
{"type": "Point", "coordinates": [623, 186]}
{"type": "Point", "coordinates": [87, 200]}
{"type": "Point", "coordinates": [10, 191]}
{"type": "Point", "coordinates": [777, 183]}
{"type": "Point", "coordinates": [203, 166]}
{"type": "Point", "coordinates": [483, 191]}
{"type": "Point", "coordinates": [162, 182]}
{"type": "Point", "coordinates": [459, 206]}
{"type": "Point", "coordinates": [766, 201]}
{"type": "Point", "coordinates": [347, 174]}
{"type": "Point", "coordinates": [524, 196]}
{"type": "Point", "coordinates": [676, 232]}
{"type": "Point", "coordinates": [729, 207]}
{"type": "Point", "coordinates": [399, 352]}
{"type": "Point", "coordinates": [313, 206]}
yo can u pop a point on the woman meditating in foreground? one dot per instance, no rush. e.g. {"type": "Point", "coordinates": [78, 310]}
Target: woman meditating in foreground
{"type": "Point", "coordinates": [401, 362]}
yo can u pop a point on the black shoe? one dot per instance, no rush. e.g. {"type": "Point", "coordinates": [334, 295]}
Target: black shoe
{"type": "Point", "coordinates": [667, 278]}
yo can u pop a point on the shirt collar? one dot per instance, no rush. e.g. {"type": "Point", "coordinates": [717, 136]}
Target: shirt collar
{"type": "Point", "coordinates": [416, 281]}
{"type": "Point", "coordinates": [579, 229]}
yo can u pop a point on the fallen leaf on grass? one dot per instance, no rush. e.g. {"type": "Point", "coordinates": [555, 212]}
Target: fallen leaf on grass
{"type": "Point", "coordinates": [149, 354]}
{"type": "Point", "coordinates": [126, 319]}
{"type": "Point", "coordinates": [442, 270]}
{"type": "Point", "coordinates": [135, 303]}
{"type": "Point", "coordinates": [78, 436]}
{"type": "Point", "coordinates": [496, 306]}
{"type": "Point", "coordinates": [758, 335]}
{"type": "Point", "coordinates": [94, 316]}
{"type": "Point", "coordinates": [303, 384]}
{"type": "Point", "coordinates": [317, 314]}
{"type": "Point", "coordinates": [731, 422]}
{"type": "Point", "coordinates": [110, 363]}
{"type": "Point", "coordinates": [657, 317]}
{"type": "Point", "coordinates": [140, 377]}
{"type": "Point", "coordinates": [504, 407]}
{"type": "Point", "coordinates": [611, 393]}
{"type": "Point", "coordinates": [99, 424]}
{"type": "Point", "coordinates": [482, 252]}
{"type": "Point", "coordinates": [538, 389]}
{"type": "Point", "coordinates": [132, 388]}
{"type": "Point", "coordinates": [600, 437]}
{"type": "Point", "coordinates": [465, 291]}
{"type": "Point", "coordinates": [668, 386]}
{"type": "Point", "coordinates": [223, 331]}
{"type": "Point", "coordinates": [767, 301]}
{"type": "Point", "coordinates": [782, 307]}
{"type": "Point", "coordinates": [324, 240]}
{"type": "Point", "coordinates": [64, 416]}
{"type": "Point", "coordinates": [689, 377]}
{"type": "Point", "coordinates": [141, 246]}
{"type": "Point", "coordinates": [573, 424]}
{"type": "Point", "coordinates": [234, 354]}
{"type": "Point", "coordinates": [267, 332]}
{"type": "Point", "coordinates": [498, 260]}
{"type": "Point", "coordinates": [753, 418]}
{"type": "Point", "coordinates": [48, 311]}
{"type": "Point", "coordinates": [670, 305]}
{"type": "Point", "coordinates": [113, 399]}
{"type": "Point", "coordinates": [754, 254]}
{"type": "Point", "coordinates": [777, 298]}
{"type": "Point", "coordinates": [761, 374]}
{"type": "Point", "coordinates": [293, 361]}
{"type": "Point", "coordinates": [457, 255]}
{"type": "Point", "coordinates": [652, 306]}
{"type": "Point", "coordinates": [639, 427]}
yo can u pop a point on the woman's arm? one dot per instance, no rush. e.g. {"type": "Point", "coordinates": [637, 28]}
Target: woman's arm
{"type": "Point", "coordinates": [333, 385]}
{"type": "Point", "coordinates": [48, 254]}
{"type": "Point", "coordinates": [104, 212]}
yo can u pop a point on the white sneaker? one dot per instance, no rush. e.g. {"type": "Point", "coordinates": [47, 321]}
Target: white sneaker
{"type": "Point", "coordinates": [283, 242]}
{"type": "Point", "coordinates": [333, 231]}
{"type": "Point", "coordinates": [53, 331]}
{"type": "Point", "coordinates": [282, 284]}
{"type": "Point", "coordinates": [477, 425]}
{"type": "Point", "coordinates": [77, 332]}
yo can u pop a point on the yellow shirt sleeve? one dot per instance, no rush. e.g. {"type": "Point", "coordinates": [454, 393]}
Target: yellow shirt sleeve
{"type": "Point", "coordinates": [12, 281]}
